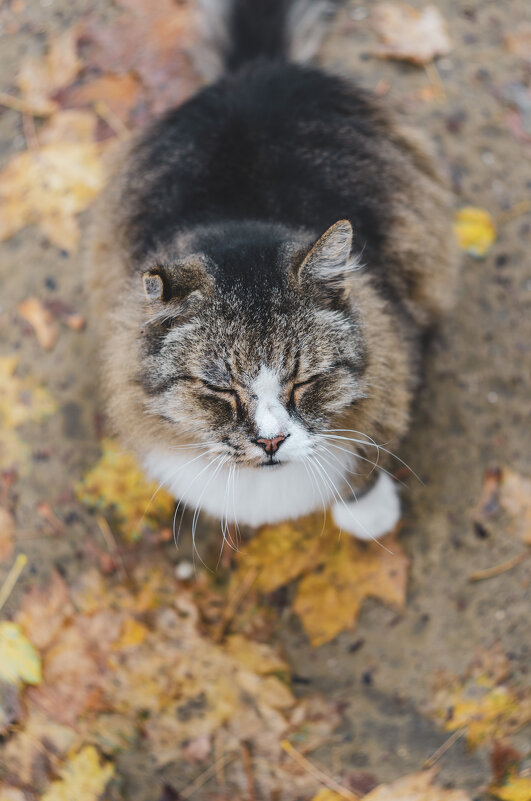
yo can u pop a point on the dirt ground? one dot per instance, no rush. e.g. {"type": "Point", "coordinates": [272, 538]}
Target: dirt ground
{"type": "Point", "coordinates": [473, 412]}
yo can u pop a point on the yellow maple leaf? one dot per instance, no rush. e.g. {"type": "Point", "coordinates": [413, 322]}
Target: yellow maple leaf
{"type": "Point", "coordinates": [19, 661]}
{"type": "Point", "coordinates": [82, 778]}
{"type": "Point", "coordinates": [117, 483]}
{"type": "Point", "coordinates": [337, 572]}
{"type": "Point", "coordinates": [475, 230]}
{"type": "Point", "coordinates": [516, 788]}
{"type": "Point", "coordinates": [415, 787]}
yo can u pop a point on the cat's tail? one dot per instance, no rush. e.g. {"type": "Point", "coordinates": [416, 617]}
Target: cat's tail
{"type": "Point", "coordinates": [237, 32]}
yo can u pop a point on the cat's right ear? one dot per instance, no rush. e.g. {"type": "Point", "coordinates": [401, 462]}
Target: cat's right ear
{"type": "Point", "coordinates": [175, 292]}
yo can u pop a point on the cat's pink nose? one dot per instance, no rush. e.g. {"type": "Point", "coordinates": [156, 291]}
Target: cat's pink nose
{"type": "Point", "coordinates": [271, 445]}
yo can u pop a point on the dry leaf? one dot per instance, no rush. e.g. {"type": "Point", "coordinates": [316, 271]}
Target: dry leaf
{"type": "Point", "coordinates": [35, 749]}
{"type": "Point", "coordinates": [505, 488]}
{"type": "Point", "coordinates": [475, 231]}
{"type": "Point", "coordinates": [515, 498]}
{"type": "Point", "coordinates": [44, 612]}
{"type": "Point", "coordinates": [415, 787]}
{"type": "Point", "coordinates": [19, 662]}
{"type": "Point", "coordinates": [482, 701]}
{"type": "Point", "coordinates": [329, 599]}
{"type": "Point", "coordinates": [48, 187]}
{"type": "Point", "coordinates": [503, 759]}
{"type": "Point", "coordinates": [74, 126]}
{"type": "Point", "coordinates": [118, 93]}
{"type": "Point", "coordinates": [151, 41]}
{"type": "Point", "coordinates": [7, 531]}
{"type": "Point", "coordinates": [117, 483]}
{"type": "Point", "coordinates": [338, 573]}
{"type": "Point", "coordinates": [516, 788]}
{"type": "Point", "coordinates": [41, 320]}
{"type": "Point", "coordinates": [83, 778]}
{"type": "Point", "coordinates": [40, 78]}
{"type": "Point", "coordinates": [409, 34]}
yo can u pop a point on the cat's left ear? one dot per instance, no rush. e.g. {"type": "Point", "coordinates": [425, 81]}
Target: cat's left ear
{"type": "Point", "coordinates": [327, 263]}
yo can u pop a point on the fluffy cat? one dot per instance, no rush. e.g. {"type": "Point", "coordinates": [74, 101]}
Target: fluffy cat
{"type": "Point", "coordinates": [264, 265]}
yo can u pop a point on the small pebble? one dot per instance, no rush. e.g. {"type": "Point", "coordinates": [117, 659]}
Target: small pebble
{"type": "Point", "coordinates": [492, 397]}
{"type": "Point", "coordinates": [184, 570]}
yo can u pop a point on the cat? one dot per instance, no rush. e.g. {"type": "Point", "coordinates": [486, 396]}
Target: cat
{"type": "Point", "coordinates": [264, 266]}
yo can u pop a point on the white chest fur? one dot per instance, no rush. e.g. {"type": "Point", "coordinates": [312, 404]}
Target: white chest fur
{"type": "Point", "coordinates": [245, 495]}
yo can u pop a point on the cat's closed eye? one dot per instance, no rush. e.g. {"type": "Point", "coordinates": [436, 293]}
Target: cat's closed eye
{"type": "Point", "coordinates": [299, 388]}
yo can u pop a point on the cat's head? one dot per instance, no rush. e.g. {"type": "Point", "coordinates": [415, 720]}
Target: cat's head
{"type": "Point", "coordinates": [252, 343]}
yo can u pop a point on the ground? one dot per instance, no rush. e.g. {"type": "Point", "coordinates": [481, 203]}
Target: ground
{"type": "Point", "coordinates": [472, 413]}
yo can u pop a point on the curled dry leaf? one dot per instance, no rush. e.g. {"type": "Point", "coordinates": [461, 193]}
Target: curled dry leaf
{"type": "Point", "coordinates": [504, 488]}
{"type": "Point", "coordinates": [475, 231]}
{"type": "Point", "coordinates": [117, 484]}
{"type": "Point", "coordinates": [41, 320]}
{"type": "Point", "coordinates": [409, 34]}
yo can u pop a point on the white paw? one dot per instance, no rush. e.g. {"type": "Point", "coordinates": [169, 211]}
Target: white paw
{"type": "Point", "coordinates": [376, 512]}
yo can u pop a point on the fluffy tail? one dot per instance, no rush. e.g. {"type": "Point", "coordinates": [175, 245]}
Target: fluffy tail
{"type": "Point", "coordinates": [237, 32]}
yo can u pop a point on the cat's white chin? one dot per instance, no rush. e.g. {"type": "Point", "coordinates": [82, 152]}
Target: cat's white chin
{"type": "Point", "coordinates": [247, 495]}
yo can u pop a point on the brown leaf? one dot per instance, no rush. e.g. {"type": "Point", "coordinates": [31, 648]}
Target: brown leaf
{"type": "Point", "coordinates": [503, 757]}
{"type": "Point", "coordinates": [119, 93]}
{"type": "Point", "coordinates": [149, 40]}
{"type": "Point", "coordinates": [504, 488]}
{"type": "Point", "coordinates": [41, 320]}
{"type": "Point", "coordinates": [39, 78]}
{"type": "Point", "coordinates": [44, 612]}
{"type": "Point", "coordinates": [7, 531]}
{"type": "Point", "coordinates": [409, 34]}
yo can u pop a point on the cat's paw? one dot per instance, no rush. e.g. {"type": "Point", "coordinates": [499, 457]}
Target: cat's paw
{"type": "Point", "coordinates": [374, 514]}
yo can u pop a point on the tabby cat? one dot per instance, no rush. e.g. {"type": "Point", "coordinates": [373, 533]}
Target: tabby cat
{"type": "Point", "coordinates": [264, 265]}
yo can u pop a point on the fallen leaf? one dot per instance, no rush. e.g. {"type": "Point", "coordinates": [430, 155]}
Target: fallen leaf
{"type": "Point", "coordinates": [19, 662]}
{"type": "Point", "coordinates": [481, 701]}
{"type": "Point", "coordinates": [152, 41]}
{"type": "Point", "coordinates": [475, 230]}
{"type": "Point", "coordinates": [118, 93]}
{"type": "Point", "coordinates": [515, 498]}
{"type": "Point", "coordinates": [337, 572]}
{"type": "Point", "coordinates": [328, 795]}
{"type": "Point", "coordinates": [504, 488]}
{"type": "Point", "coordinates": [329, 599]}
{"type": "Point", "coordinates": [519, 42]}
{"type": "Point", "coordinates": [516, 788]}
{"type": "Point", "coordinates": [116, 483]}
{"type": "Point", "coordinates": [39, 78]}
{"type": "Point", "coordinates": [45, 611]}
{"type": "Point", "coordinates": [83, 778]}
{"type": "Point", "coordinates": [7, 531]}
{"type": "Point", "coordinates": [11, 794]}
{"type": "Point", "coordinates": [503, 759]}
{"type": "Point", "coordinates": [409, 34]}
{"type": "Point", "coordinates": [41, 320]}
{"type": "Point", "coordinates": [35, 749]}
{"type": "Point", "coordinates": [48, 187]}
{"type": "Point", "coordinates": [415, 787]}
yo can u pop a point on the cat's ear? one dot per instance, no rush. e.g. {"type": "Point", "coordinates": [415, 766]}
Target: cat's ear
{"type": "Point", "coordinates": [328, 264]}
{"type": "Point", "coordinates": [176, 291]}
